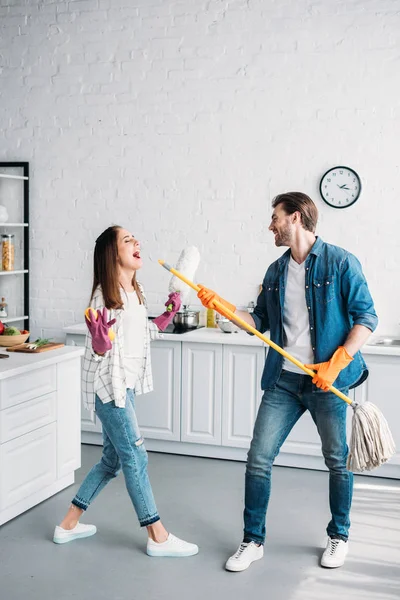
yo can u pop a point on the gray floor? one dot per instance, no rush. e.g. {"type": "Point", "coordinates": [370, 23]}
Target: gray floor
{"type": "Point", "coordinates": [201, 500]}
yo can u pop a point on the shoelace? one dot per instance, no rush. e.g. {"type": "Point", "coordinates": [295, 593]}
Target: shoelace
{"type": "Point", "coordinates": [240, 550]}
{"type": "Point", "coordinates": [333, 544]}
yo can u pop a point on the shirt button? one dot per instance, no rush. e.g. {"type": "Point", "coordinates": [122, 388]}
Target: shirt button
{"type": "Point", "coordinates": [327, 282]}
{"type": "Point", "coordinates": [313, 348]}
{"type": "Point", "coordinates": [309, 307]}
{"type": "Point", "coordinates": [306, 287]}
{"type": "Point", "coordinates": [311, 328]}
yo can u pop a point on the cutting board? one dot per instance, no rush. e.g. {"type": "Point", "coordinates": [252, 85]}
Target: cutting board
{"type": "Point", "coordinates": [24, 348]}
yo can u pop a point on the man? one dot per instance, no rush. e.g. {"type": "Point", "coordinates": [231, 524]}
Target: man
{"type": "Point", "coordinates": [316, 304]}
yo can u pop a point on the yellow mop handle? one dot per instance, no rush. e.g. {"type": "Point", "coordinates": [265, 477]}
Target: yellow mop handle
{"type": "Point", "coordinates": [254, 331]}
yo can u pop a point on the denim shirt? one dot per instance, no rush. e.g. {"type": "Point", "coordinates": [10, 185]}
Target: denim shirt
{"type": "Point", "coordinates": [337, 297]}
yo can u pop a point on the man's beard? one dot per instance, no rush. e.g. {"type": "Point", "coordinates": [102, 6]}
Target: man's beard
{"type": "Point", "coordinates": [284, 238]}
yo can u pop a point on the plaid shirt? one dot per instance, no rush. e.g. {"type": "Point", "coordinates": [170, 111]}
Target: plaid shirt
{"type": "Point", "coordinates": [105, 375]}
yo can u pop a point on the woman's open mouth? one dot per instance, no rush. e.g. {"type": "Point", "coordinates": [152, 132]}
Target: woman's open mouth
{"type": "Point", "coordinates": [136, 255]}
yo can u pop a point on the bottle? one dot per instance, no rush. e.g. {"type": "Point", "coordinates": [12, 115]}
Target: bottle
{"type": "Point", "coordinates": [211, 318]}
{"type": "Point", "coordinates": [250, 307]}
{"type": "Point", "coordinates": [7, 252]}
{"type": "Point", "coordinates": [3, 308]}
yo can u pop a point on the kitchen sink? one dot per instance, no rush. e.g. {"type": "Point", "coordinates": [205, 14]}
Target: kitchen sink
{"type": "Point", "coordinates": [385, 342]}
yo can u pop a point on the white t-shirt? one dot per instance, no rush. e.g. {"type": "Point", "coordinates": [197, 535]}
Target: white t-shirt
{"type": "Point", "coordinates": [296, 325]}
{"type": "Point", "coordinates": [134, 323]}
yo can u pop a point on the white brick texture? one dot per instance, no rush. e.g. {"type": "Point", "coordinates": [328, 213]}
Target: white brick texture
{"type": "Point", "coordinates": [182, 119]}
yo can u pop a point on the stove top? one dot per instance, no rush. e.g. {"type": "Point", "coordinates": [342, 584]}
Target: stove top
{"type": "Point", "coordinates": [173, 329]}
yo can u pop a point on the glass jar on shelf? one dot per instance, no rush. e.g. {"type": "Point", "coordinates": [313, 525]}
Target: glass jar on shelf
{"type": "Point", "coordinates": [3, 308]}
{"type": "Point", "coordinates": [7, 252]}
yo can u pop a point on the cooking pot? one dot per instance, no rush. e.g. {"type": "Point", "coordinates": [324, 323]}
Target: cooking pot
{"type": "Point", "coordinates": [186, 319]}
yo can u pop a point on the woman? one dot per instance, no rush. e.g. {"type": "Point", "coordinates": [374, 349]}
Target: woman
{"type": "Point", "coordinates": [113, 373]}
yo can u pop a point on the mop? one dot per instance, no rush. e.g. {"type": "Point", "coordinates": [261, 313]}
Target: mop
{"type": "Point", "coordinates": [371, 442]}
{"type": "Point", "coordinates": [187, 264]}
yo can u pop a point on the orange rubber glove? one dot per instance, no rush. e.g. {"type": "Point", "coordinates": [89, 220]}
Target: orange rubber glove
{"type": "Point", "coordinates": [208, 297]}
{"type": "Point", "coordinates": [328, 371]}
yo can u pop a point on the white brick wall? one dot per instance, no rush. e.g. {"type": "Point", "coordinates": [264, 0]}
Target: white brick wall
{"type": "Point", "coordinates": [182, 119]}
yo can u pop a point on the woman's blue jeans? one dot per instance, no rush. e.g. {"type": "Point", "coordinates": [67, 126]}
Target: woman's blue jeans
{"type": "Point", "coordinates": [280, 409]}
{"type": "Point", "coordinates": [124, 449]}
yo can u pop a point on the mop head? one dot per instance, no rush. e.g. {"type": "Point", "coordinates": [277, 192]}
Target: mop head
{"type": "Point", "coordinates": [371, 442]}
{"type": "Point", "coordinates": [187, 265]}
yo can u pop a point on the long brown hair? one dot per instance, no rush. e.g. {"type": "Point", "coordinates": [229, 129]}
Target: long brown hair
{"type": "Point", "coordinates": [105, 269]}
{"type": "Point", "coordinates": [297, 201]}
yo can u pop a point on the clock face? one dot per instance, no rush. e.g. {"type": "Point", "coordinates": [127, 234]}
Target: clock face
{"type": "Point", "coordinates": [340, 187]}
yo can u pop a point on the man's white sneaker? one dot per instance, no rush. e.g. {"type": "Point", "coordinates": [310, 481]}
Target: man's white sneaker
{"type": "Point", "coordinates": [173, 547]}
{"type": "Point", "coordinates": [335, 553]}
{"type": "Point", "coordinates": [62, 536]}
{"type": "Point", "coordinates": [244, 556]}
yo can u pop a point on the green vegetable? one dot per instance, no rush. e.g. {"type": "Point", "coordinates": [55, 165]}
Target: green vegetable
{"type": "Point", "coordinates": [11, 331]}
{"type": "Point", "coordinates": [41, 342]}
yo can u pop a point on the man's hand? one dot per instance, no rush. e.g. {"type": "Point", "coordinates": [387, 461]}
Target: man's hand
{"type": "Point", "coordinates": [209, 297]}
{"type": "Point", "coordinates": [327, 372]}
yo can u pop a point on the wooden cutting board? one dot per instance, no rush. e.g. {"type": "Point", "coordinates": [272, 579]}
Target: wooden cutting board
{"type": "Point", "coordinates": [24, 348]}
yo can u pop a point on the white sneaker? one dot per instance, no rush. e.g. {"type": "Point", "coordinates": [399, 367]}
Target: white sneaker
{"type": "Point", "coordinates": [173, 547]}
{"type": "Point", "coordinates": [62, 536]}
{"type": "Point", "coordinates": [335, 553]}
{"type": "Point", "coordinates": [244, 556]}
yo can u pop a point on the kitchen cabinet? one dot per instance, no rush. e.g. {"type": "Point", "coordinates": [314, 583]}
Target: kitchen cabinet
{"type": "Point", "coordinates": [207, 392]}
{"type": "Point", "coordinates": [201, 393]}
{"type": "Point", "coordinates": [241, 393]}
{"type": "Point", "coordinates": [90, 424]}
{"type": "Point", "coordinates": [382, 389]}
{"type": "Point", "coordinates": [159, 412]}
{"type": "Point", "coordinates": [39, 427]}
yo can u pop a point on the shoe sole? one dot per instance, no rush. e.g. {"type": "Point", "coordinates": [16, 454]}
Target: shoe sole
{"type": "Point", "coordinates": [238, 568]}
{"type": "Point", "coordinates": [77, 536]}
{"type": "Point", "coordinates": [159, 554]}
{"type": "Point", "coordinates": [332, 566]}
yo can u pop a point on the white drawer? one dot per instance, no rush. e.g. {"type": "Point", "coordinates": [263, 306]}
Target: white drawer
{"type": "Point", "coordinates": [27, 465]}
{"type": "Point", "coordinates": [21, 388]}
{"type": "Point", "coordinates": [27, 416]}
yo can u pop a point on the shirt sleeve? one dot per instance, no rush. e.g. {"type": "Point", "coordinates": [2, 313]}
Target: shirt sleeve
{"type": "Point", "coordinates": [155, 333]}
{"type": "Point", "coordinates": [355, 291]}
{"type": "Point", "coordinates": [260, 313]}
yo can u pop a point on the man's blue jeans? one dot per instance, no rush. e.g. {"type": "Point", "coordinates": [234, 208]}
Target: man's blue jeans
{"type": "Point", "coordinates": [123, 448]}
{"type": "Point", "coordinates": [280, 409]}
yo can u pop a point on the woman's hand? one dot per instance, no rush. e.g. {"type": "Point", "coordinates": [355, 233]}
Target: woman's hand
{"type": "Point", "coordinates": [99, 326]}
{"type": "Point", "coordinates": [173, 304]}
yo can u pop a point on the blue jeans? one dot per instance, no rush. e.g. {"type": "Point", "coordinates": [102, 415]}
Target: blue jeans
{"type": "Point", "coordinates": [280, 409]}
{"type": "Point", "coordinates": [124, 449]}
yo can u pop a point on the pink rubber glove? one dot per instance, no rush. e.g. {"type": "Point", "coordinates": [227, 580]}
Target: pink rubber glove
{"type": "Point", "coordinates": [99, 330]}
{"type": "Point", "coordinates": [165, 319]}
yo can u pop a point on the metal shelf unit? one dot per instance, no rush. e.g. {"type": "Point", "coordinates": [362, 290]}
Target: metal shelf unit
{"type": "Point", "coordinates": [24, 272]}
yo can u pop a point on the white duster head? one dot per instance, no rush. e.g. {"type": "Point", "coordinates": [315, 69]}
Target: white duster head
{"type": "Point", "coordinates": [187, 265]}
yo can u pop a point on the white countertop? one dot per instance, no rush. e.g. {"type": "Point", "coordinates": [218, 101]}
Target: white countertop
{"type": "Point", "coordinates": [241, 338]}
{"type": "Point", "coordinates": [18, 362]}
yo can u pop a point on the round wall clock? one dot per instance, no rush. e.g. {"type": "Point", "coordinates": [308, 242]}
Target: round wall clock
{"type": "Point", "coordinates": [340, 187]}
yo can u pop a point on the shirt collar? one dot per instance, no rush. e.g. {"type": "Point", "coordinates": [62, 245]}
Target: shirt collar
{"type": "Point", "coordinates": [316, 250]}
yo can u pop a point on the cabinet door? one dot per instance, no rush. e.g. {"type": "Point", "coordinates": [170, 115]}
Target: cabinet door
{"type": "Point", "coordinates": [68, 416]}
{"type": "Point", "coordinates": [89, 421]}
{"type": "Point", "coordinates": [158, 412]}
{"type": "Point", "coordinates": [382, 389]}
{"type": "Point", "coordinates": [201, 393]}
{"type": "Point", "coordinates": [27, 465]}
{"type": "Point", "coordinates": [242, 370]}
